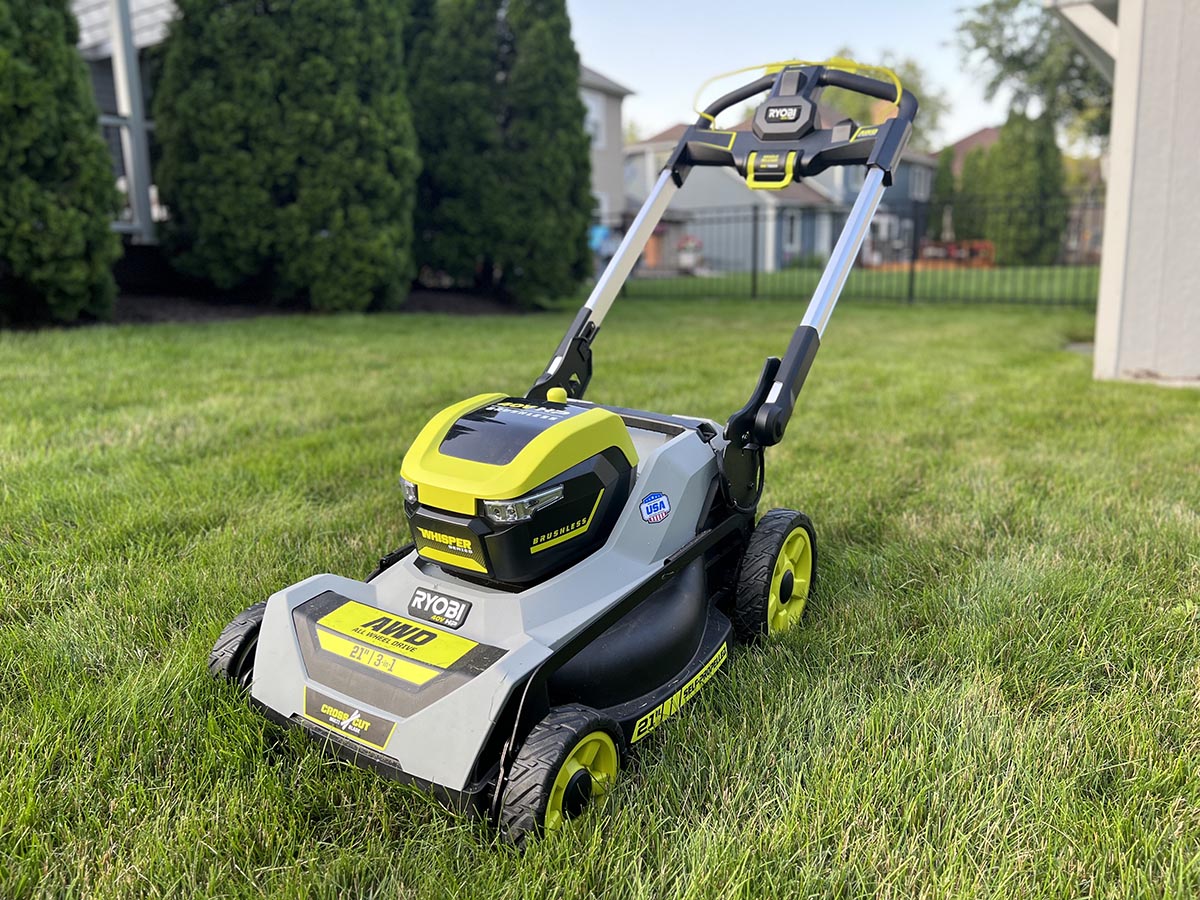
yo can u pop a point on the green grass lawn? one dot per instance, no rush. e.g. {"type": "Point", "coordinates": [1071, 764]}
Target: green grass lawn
{"type": "Point", "coordinates": [1050, 285]}
{"type": "Point", "coordinates": [995, 693]}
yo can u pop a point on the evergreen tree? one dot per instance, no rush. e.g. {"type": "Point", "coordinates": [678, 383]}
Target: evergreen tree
{"type": "Point", "coordinates": [288, 153]}
{"type": "Point", "coordinates": [972, 198]}
{"type": "Point", "coordinates": [57, 190]}
{"type": "Point", "coordinates": [547, 156]}
{"type": "Point", "coordinates": [1028, 214]}
{"type": "Point", "coordinates": [942, 196]}
{"type": "Point", "coordinates": [457, 100]}
{"type": "Point", "coordinates": [418, 32]}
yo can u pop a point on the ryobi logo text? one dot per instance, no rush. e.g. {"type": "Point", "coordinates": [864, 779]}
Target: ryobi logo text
{"type": "Point", "coordinates": [670, 706]}
{"type": "Point", "coordinates": [449, 541]}
{"type": "Point", "coordinates": [438, 608]}
{"type": "Point", "coordinates": [782, 113]}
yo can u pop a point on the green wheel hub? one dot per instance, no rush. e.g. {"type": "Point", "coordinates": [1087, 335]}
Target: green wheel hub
{"type": "Point", "coordinates": [586, 775]}
{"type": "Point", "coordinates": [790, 581]}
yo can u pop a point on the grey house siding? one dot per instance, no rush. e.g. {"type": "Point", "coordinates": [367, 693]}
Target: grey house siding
{"type": "Point", "coordinates": [607, 159]}
{"type": "Point", "coordinates": [721, 209]}
{"type": "Point", "coordinates": [150, 20]}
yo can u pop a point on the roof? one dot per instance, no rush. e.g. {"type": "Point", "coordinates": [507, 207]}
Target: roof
{"type": "Point", "coordinates": [919, 157]}
{"type": "Point", "coordinates": [984, 137]}
{"type": "Point", "coordinates": [666, 136]}
{"type": "Point", "coordinates": [800, 193]}
{"type": "Point", "coordinates": [590, 78]}
{"type": "Point", "coordinates": [149, 19]}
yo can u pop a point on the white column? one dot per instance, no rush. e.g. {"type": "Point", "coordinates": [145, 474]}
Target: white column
{"type": "Point", "coordinates": [1122, 139]}
{"type": "Point", "coordinates": [770, 233]}
{"type": "Point", "coordinates": [127, 80]}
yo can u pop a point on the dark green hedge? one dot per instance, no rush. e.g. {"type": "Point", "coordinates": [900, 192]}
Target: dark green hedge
{"type": "Point", "coordinates": [57, 189]}
{"type": "Point", "coordinates": [506, 190]}
{"type": "Point", "coordinates": [288, 153]}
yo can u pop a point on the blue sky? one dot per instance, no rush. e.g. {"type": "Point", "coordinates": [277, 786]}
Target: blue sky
{"type": "Point", "coordinates": [663, 50]}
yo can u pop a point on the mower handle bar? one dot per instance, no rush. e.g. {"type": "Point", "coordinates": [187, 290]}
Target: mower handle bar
{"type": "Point", "coordinates": [761, 423]}
{"type": "Point", "coordinates": [859, 84]}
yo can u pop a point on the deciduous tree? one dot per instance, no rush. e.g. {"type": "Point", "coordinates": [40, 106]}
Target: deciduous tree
{"type": "Point", "coordinates": [866, 110]}
{"type": "Point", "coordinates": [1023, 47]}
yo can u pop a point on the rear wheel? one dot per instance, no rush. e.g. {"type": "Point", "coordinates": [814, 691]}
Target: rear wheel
{"type": "Point", "coordinates": [777, 575]}
{"type": "Point", "coordinates": [569, 761]}
{"type": "Point", "coordinates": [232, 657]}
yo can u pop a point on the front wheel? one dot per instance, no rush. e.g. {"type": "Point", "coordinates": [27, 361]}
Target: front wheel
{"type": "Point", "coordinates": [777, 575]}
{"type": "Point", "coordinates": [568, 762]}
{"type": "Point", "coordinates": [232, 657]}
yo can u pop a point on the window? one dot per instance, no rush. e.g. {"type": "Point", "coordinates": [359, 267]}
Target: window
{"type": "Point", "coordinates": [920, 184]}
{"type": "Point", "coordinates": [791, 237]}
{"type": "Point", "coordinates": [600, 208]}
{"type": "Point", "coordinates": [593, 122]}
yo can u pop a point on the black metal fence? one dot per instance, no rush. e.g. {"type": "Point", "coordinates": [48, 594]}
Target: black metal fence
{"type": "Point", "coordinates": [993, 252]}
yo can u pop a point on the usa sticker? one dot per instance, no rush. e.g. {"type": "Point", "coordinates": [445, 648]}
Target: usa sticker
{"type": "Point", "coordinates": [656, 507]}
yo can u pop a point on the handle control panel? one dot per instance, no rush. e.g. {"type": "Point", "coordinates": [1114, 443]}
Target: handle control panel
{"type": "Point", "coordinates": [787, 139]}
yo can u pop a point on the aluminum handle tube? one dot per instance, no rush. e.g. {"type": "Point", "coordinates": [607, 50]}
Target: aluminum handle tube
{"type": "Point", "coordinates": [619, 267]}
{"type": "Point", "coordinates": [841, 261]}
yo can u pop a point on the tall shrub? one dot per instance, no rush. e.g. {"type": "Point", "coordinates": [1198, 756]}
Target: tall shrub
{"type": "Point", "coordinates": [972, 198]}
{"type": "Point", "coordinates": [547, 155]}
{"type": "Point", "coordinates": [288, 153]}
{"type": "Point", "coordinates": [57, 190]}
{"type": "Point", "coordinates": [942, 196]}
{"type": "Point", "coordinates": [1028, 214]}
{"type": "Point", "coordinates": [505, 195]}
{"type": "Point", "coordinates": [457, 98]}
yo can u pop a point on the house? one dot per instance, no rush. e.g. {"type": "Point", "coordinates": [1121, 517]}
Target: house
{"type": "Point", "coordinates": [740, 229]}
{"type": "Point", "coordinates": [123, 105]}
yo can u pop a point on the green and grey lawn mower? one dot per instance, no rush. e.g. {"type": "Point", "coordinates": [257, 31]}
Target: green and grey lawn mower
{"type": "Point", "coordinates": [577, 571]}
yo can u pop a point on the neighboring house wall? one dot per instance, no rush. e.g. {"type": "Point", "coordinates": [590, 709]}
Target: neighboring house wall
{"type": "Point", "coordinates": [149, 18]}
{"type": "Point", "coordinates": [806, 234]}
{"type": "Point", "coordinates": [602, 99]}
{"type": "Point", "coordinates": [720, 212]}
{"type": "Point", "coordinates": [1148, 317]}
{"type": "Point", "coordinates": [604, 125]}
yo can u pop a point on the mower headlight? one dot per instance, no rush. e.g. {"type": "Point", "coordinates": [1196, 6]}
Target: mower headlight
{"type": "Point", "coordinates": [505, 512]}
{"type": "Point", "coordinates": [410, 490]}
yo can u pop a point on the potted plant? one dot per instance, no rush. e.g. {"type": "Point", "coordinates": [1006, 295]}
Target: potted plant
{"type": "Point", "coordinates": [689, 248]}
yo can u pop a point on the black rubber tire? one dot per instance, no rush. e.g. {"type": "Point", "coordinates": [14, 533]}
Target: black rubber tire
{"type": "Point", "coordinates": [531, 775]}
{"type": "Point", "coordinates": [752, 598]}
{"type": "Point", "coordinates": [232, 657]}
